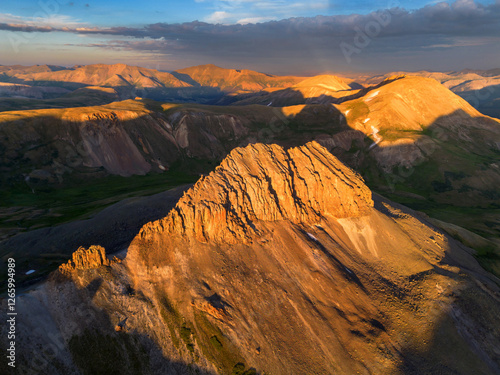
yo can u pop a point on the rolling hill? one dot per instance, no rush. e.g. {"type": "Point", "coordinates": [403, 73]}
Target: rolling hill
{"type": "Point", "coordinates": [481, 88]}
{"type": "Point", "coordinates": [313, 90]}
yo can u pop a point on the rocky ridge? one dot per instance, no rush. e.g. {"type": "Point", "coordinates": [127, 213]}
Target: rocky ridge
{"type": "Point", "coordinates": [266, 183]}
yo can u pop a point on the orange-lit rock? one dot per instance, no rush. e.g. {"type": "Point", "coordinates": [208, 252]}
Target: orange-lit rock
{"type": "Point", "coordinates": [266, 183]}
{"type": "Point", "coordinates": [82, 259]}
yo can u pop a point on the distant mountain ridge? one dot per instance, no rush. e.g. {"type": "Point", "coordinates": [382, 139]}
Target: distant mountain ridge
{"type": "Point", "coordinates": [210, 84]}
{"type": "Point", "coordinates": [97, 75]}
{"type": "Point", "coordinates": [236, 80]}
{"type": "Point", "coordinates": [122, 74]}
{"type": "Point", "coordinates": [202, 84]}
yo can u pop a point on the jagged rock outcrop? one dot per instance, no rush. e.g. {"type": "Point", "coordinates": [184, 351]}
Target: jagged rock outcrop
{"type": "Point", "coordinates": [84, 259]}
{"type": "Point", "coordinates": [266, 183]}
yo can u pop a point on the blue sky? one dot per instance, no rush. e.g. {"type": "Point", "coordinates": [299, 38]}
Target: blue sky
{"type": "Point", "coordinates": [135, 13]}
{"type": "Point", "coordinates": [283, 36]}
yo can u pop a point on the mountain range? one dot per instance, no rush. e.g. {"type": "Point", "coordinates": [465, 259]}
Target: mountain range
{"type": "Point", "coordinates": [210, 84]}
{"type": "Point", "coordinates": [316, 225]}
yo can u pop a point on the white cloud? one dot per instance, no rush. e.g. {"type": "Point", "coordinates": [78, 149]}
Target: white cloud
{"type": "Point", "coordinates": [411, 40]}
{"type": "Point", "coordinates": [253, 11]}
{"type": "Point", "coordinates": [219, 17]}
{"type": "Point", "coordinates": [10, 18]}
{"type": "Point", "coordinates": [465, 42]}
{"type": "Point", "coordinates": [248, 20]}
{"type": "Point", "coordinates": [50, 20]}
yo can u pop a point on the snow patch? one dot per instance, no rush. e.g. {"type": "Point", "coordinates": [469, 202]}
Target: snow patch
{"type": "Point", "coordinates": [348, 270]}
{"type": "Point", "coordinates": [371, 96]}
{"type": "Point", "coordinates": [330, 88]}
{"type": "Point", "coordinates": [30, 272]}
{"type": "Point", "coordinates": [376, 137]}
{"type": "Point", "coordinates": [312, 237]}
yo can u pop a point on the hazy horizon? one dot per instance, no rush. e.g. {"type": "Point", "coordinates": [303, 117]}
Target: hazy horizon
{"type": "Point", "coordinates": [311, 74]}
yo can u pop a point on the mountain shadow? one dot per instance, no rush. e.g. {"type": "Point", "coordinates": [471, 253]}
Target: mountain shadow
{"type": "Point", "coordinates": [101, 342]}
{"type": "Point", "coordinates": [463, 340]}
{"type": "Point", "coordinates": [185, 78]}
{"type": "Point", "coordinates": [485, 100]}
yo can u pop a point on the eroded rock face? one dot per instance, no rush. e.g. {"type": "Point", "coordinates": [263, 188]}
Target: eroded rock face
{"type": "Point", "coordinates": [107, 144]}
{"type": "Point", "coordinates": [82, 259]}
{"type": "Point", "coordinates": [266, 183]}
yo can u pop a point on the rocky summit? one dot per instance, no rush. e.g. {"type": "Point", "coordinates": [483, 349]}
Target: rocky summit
{"type": "Point", "coordinates": [265, 183]}
{"type": "Point", "coordinates": [93, 257]}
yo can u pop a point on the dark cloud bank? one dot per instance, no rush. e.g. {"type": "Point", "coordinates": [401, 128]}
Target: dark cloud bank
{"type": "Point", "coordinates": [441, 37]}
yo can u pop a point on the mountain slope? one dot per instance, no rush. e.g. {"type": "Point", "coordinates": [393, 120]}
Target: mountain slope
{"type": "Point", "coordinates": [315, 285]}
{"type": "Point", "coordinates": [317, 89]}
{"type": "Point", "coordinates": [479, 87]}
{"type": "Point", "coordinates": [103, 75]}
{"type": "Point", "coordinates": [133, 136]}
{"type": "Point", "coordinates": [417, 123]}
{"type": "Point", "coordinates": [234, 80]}
{"type": "Point", "coordinates": [334, 272]}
